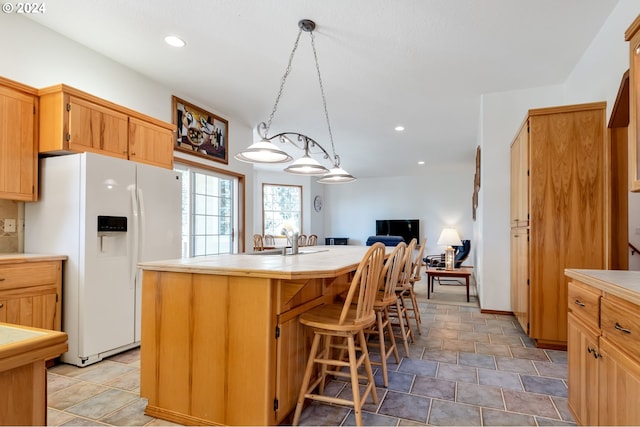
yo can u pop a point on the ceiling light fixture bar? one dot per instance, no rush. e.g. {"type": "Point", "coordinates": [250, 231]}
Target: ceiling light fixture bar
{"type": "Point", "coordinates": [264, 151]}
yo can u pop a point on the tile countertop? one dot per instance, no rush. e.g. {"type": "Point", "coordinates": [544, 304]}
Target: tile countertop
{"type": "Point", "coordinates": [312, 261]}
{"type": "Point", "coordinates": [621, 283]}
{"type": "Point", "coordinates": [20, 257]}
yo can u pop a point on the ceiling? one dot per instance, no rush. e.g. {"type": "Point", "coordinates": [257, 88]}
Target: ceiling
{"type": "Point", "coordinates": [422, 64]}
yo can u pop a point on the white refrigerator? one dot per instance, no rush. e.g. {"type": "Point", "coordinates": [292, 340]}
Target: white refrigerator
{"type": "Point", "coordinates": [105, 214]}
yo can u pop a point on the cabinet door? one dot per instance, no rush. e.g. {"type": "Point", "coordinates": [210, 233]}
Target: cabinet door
{"type": "Point", "coordinates": [97, 129]}
{"type": "Point", "coordinates": [583, 364]}
{"type": "Point", "coordinates": [633, 36]}
{"type": "Point", "coordinates": [520, 178]}
{"type": "Point", "coordinates": [18, 145]}
{"type": "Point", "coordinates": [150, 143]}
{"type": "Point", "coordinates": [619, 380]}
{"type": "Point", "coordinates": [31, 307]}
{"type": "Point", "coordinates": [520, 276]}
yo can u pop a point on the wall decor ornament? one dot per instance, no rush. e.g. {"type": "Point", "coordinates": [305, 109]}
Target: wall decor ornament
{"type": "Point", "coordinates": [200, 132]}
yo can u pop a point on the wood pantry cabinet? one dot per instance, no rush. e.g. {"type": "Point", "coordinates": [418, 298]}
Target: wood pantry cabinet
{"type": "Point", "coordinates": [18, 141]}
{"type": "Point", "coordinates": [603, 349]}
{"type": "Point", "coordinates": [559, 196]}
{"type": "Point", "coordinates": [75, 121]}
{"type": "Point", "coordinates": [31, 292]}
{"type": "Point", "coordinates": [632, 35]}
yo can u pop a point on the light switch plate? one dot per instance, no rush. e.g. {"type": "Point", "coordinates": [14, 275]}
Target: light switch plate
{"type": "Point", "coordinates": [9, 225]}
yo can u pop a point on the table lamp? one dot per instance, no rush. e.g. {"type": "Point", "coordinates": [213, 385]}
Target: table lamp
{"type": "Point", "coordinates": [449, 237]}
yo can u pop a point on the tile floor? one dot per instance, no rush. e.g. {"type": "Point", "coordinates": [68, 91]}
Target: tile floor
{"type": "Point", "coordinates": [467, 368]}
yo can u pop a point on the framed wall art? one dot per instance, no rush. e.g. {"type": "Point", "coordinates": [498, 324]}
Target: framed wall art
{"type": "Point", "coordinates": [200, 132]}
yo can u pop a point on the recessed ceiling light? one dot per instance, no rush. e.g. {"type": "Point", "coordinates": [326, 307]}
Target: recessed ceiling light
{"type": "Point", "coordinates": [174, 41]}
{"type": "Point", "coordinates": [399, 128]}
{"type": "Point", "coordinates": [421, 162]}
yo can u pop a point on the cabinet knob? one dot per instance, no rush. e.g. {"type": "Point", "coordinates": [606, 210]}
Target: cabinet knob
{"type": "Point", "coordinates": [1, 305]}
{"type": "Point", "coordinates": [1, 279]}
{"type": "Point", "coordinates": [621, 329]}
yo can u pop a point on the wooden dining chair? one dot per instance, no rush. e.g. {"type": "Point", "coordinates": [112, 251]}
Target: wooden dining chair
{"type": "Point", "coordinates": [269, 240]}
{"type": "Point", "coordinates": [341, 326]}
{"type": "Point", "coordinates": [385, 298]}
{"type": "Point", "coordinates": [258, 243]}
{"type": "Point", "coordinates": [312, 240]}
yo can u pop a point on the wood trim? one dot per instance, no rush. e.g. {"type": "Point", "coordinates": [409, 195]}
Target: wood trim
{"type": "Point", "coordinates": [242, 194]}
{"type": "Point", "coordinates": [633, 29]}
{"type": "Point", "coordinates": [18, 86]}
{"type": "Point", "coordinates": [485, 311]}
{"type": "Point", "coordinates": [568, 108]}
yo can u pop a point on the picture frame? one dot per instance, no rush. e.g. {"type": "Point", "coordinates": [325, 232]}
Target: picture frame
{"type": "Point", "coordinates": [200, 132]}
{"type": "Point", "coordinates": [476, 185]}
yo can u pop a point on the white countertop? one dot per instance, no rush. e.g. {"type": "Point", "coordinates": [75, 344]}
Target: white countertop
{"type": "Point", "coordinates": [622, 283]}
{"type": "Point", "coordinates": [313, 261]}
{"type": "Point", "coordinates": [11, 334]}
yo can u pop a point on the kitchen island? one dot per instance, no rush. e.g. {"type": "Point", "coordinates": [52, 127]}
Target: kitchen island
{"type": "Point", "coordinates": [221, 341]}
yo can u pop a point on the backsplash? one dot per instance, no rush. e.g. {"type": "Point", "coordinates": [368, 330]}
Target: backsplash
{"type": "Point", "coordinates": [11, 242]}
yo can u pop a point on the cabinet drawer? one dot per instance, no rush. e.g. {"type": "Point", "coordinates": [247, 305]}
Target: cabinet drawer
{"type": "Point", "coordinates": [620, 324]}
{"type": "Point", "coordinates": [28, 274]}
{"type": "Point", "coordinates": [584, 302]}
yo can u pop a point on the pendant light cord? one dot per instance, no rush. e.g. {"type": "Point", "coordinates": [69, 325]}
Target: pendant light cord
{"type": "Point", "coordinates": [336, 159]}
{"type": "Point", "coordinates": [283, 80]}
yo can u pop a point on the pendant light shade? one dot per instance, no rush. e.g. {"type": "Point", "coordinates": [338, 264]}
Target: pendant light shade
{"type": "Point", "coordinates": [336, 175]}
{"type": "Point", "coordinates": [265, 151]}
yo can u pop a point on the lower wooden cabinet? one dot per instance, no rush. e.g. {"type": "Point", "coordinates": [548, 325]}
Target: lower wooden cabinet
{"type": "Point", "coordinates": [603, 353]}
{"type": "Point", "coordinates": [31, 293]}
{"type": "Point", "coordinates": [582, 352]}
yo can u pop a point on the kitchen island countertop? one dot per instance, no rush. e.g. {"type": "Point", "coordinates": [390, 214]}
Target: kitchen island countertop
{"type": "Point", "coordinates": [312, 261]}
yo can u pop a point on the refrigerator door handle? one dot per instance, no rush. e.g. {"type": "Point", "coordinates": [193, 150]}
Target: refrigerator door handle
{"type": "Point", "coordinates": [142, 221]}
{"type": "Point", "coordinates": [134, 252]}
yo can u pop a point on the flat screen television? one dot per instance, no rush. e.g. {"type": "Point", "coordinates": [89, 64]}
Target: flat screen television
{"type": "Point", "coordinates": [407, 228]}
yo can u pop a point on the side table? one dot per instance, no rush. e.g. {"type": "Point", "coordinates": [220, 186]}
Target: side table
{"type": "Point", "coordinates": [462, 272]}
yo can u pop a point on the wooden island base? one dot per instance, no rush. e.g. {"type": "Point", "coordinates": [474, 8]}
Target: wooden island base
{"type": "Point", "coordinates": [221, 340]}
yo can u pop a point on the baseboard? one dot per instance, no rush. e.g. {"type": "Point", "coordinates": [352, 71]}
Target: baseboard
{"type": "Point", "coordinates": [484, 311]}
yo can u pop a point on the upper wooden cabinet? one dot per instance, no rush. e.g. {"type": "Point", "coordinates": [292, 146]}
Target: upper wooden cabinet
{"type": "Point", "coordinates": [632, 35]}
{"type": "Point", "coordinates": [75, 121]}
{"type": "Point", "coordinates": [18, 141]}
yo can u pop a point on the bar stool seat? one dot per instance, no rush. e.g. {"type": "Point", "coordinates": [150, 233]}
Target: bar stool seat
{"type": "Point", "coordinates": [338, 325]}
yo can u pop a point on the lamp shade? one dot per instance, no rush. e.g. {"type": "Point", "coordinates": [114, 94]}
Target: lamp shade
{"type": "Point", "coordinates": [449, 237]}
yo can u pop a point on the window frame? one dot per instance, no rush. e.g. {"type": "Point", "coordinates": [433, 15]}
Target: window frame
{"type": "Point", "coordinates": [300, 211]}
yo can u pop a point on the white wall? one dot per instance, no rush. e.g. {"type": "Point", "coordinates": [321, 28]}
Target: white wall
{"type": "Point", "coordinates": [595, 78]}
{"type": "Point", "coordinates": [437, 199]}
{"type": "Point", "coordinates": [39, 57]}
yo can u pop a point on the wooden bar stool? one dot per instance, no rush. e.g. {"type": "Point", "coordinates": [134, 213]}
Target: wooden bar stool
{"type": "Point", "coordinates": [385, 298]}
{"type": "Point", "coordinates": [409, 295]}
{"type": "Point", "coordinates": [398, 313]}
{"type": "Point", "coordinates": [344, 322]}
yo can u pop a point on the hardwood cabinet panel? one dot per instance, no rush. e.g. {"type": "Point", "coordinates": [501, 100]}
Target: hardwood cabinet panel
{"type": "Point", "coordinates": [18, 141]}
{"type": "Point", "coordinates": [567, 208]}
{"type": "Point", "coordinates": [96, 129]}
{"type": "Point", "coordinates": [582, 344]}
{"type": "Point", "coordinates": [150, 143]}
{"type": "Point", "coordinates": [619, 387]}
{"type": "Point", "coordinates": [520, 276]}
{"type": "Point", "coordinates": [620, 324]}
{"type": "Point", "coordinates": [584, 302]}
{"type": "Point", "coordinates": [632, 35]}
{"type": "Point", "coordinates": [31, 294]}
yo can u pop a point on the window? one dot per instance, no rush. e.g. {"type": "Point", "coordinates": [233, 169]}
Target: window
{"type": "Point", "coordinates": [281, 209]}
{"type": "Point", "coordinates": [209, 212]}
